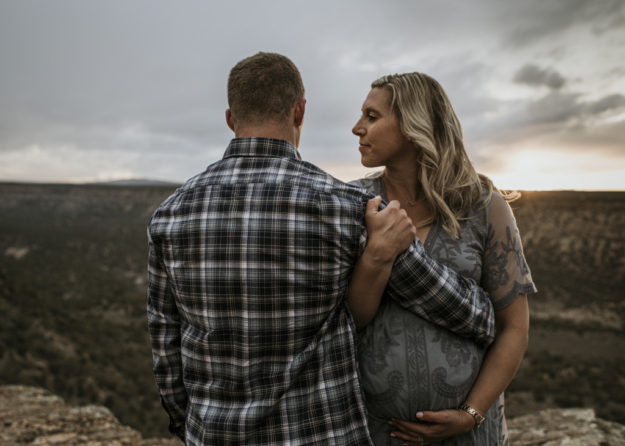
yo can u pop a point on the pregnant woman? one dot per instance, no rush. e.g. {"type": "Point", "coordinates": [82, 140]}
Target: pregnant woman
{"type": "Point", "coordinates": [423, 384]}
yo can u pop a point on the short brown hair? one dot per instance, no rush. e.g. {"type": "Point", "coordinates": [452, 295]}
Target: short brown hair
{"type": "Point", "coordinates": [264, 87]}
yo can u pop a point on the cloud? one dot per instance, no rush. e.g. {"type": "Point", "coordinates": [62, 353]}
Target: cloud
{"type": "Point", "coordinates": [558, 123]}
{"type": "Point", "coordinates": [555, 110]}
{"type": "Point", "coordinates": [68, 163]}
{"type": "Point", "coordinates": [605, 104]}
{"type": "Point", "coordinates": [140, 87]}
{"type": "Point", "coordinates": [536, 76]}
{"type": "Point", "coordinates": [535, 20]}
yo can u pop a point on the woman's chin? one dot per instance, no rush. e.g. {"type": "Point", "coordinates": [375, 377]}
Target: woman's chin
{"type": "Point", "coordinates": [368, 163]}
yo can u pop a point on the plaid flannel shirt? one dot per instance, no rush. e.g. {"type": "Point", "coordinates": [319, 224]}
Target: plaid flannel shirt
{"type": "Point", "coordinates": [249, 264]}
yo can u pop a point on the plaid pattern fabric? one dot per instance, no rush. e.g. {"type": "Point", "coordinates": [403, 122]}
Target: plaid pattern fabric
{"type": "Point", "coordinates": [248, 269]}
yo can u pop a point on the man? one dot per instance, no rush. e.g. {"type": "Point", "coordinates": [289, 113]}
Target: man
{"type": "Point", "coordinates": [249, 264]}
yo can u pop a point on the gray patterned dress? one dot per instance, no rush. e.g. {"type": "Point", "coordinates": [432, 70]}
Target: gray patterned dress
{"type": "Point", "coordinates": [408, 364]}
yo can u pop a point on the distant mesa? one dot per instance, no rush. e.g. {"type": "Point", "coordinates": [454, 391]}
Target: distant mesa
{"type": "Point", "coordinates": [136, 182]}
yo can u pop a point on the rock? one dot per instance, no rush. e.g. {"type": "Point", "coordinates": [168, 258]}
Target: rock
{"type": "Point", "coordinates": [565, 427]}
{"type": "Point", "coordinates": [34, 416]}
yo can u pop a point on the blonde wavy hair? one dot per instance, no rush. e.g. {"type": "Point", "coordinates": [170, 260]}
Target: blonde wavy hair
{"type": "Point", "coordinates": [448, 181]}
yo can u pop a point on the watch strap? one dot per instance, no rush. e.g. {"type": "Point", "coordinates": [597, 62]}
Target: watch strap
{"type": "Point", "coordinates": [478, 417]}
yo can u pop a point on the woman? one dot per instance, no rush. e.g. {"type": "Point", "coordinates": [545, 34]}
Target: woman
{"type": "Point", "coordinates": [408, 365]}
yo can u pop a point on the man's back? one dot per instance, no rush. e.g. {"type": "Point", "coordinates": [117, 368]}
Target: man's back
{"type": "Point", "coordinates": [250, 261]}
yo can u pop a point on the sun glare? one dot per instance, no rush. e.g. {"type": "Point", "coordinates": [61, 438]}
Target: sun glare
{"type": "Point", "coordinates": [552, 170]}
{"type": "Point", "coordinates": [533, 170]}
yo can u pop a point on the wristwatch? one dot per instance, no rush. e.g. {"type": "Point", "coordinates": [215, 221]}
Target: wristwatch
{"type": "Point", "coordinates": [478, 417]}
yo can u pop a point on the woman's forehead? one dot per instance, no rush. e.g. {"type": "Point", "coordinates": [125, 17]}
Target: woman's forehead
{"type": "Point", "coordinates": [378, 99]}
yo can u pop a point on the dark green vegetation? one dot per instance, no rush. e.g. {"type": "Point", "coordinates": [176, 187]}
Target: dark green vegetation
{"type": "Point", "coordinates": [72, 298]}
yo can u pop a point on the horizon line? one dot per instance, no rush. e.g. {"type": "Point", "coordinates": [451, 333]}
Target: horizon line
{"type": "Point", "coordinates": [158, 182]}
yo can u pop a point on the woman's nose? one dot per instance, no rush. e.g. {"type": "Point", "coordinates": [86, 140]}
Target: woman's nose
{"type": "Point", "coordinates": [358, 130]}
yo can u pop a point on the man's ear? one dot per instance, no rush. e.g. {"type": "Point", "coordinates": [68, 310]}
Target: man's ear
{"type": "Point", "coordinates": [229, 119]}
{"type": "Point", "coordinates": [300, 108]}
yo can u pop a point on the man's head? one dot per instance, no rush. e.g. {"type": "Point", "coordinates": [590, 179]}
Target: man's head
{"type": "Point", "coordinates": [264, 90]}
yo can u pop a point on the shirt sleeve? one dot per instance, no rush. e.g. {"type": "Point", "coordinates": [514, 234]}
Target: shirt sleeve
{"type": "Point", "coordinates": [164, 328]}
{"type": "Point", "coordinates": [442, 296]}
{"type": "Point", "coordinates": [505, 273]}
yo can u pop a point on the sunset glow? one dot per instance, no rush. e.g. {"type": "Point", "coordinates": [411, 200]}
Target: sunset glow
{"type": "Point", "coordinates": [531, 170]}
{"type": "Point", "coordinates": [549, 170]}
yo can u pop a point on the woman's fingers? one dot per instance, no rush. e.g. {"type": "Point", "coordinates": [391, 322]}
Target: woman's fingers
{"type": "Point", "coordinates": [411, 428]}
{"type": "Point", "coordinates": [432, 426]}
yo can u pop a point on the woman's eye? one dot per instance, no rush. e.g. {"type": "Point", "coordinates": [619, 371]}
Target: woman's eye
{"type": "Point", "coordinates": [371, 117]}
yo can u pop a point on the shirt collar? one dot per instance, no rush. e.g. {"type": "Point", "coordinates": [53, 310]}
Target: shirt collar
{"type": "Point", "coordinates": [267, 147]}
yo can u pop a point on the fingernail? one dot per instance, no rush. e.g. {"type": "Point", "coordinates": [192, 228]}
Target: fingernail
{"type": "Point", "coordinates": [419, 414]}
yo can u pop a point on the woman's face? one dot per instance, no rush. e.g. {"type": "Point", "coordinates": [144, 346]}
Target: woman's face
{"type": "Point", "coordinates": [381, 141]}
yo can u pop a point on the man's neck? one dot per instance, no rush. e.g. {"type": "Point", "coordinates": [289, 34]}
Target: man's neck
{"type": "Point", "coordinates": [268, 131]}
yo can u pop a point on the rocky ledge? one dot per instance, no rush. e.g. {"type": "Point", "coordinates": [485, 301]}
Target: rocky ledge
{"type": "Point", "coordinates": [565, 427]}
{"type": "Point", "coordinates": [33, 416]}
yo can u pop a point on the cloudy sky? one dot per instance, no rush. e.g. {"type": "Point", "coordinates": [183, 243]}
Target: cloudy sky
{"type": "Point", "coordinates": [116, 89]}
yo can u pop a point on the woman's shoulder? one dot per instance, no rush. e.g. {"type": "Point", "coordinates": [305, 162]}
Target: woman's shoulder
{"type": "Point", "coordinates": [498, 209]}
{"type": "Point", "coordinates": [491, 205]}
{"type": "Point", "coordinates": [490, 202]}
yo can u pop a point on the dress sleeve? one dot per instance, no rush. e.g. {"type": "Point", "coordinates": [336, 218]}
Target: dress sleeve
{"type": "Point", "coordinates": [505, 272]}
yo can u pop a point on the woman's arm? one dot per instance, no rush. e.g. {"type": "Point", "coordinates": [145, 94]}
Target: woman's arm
{"type": "Point", "coordinates": [390, 232]}
{"type": "Point", "coordinates": [500, 365]}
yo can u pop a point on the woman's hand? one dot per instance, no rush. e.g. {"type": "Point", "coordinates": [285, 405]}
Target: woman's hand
{"type": "Point", "coordinates": [433, 426]}
{"type": "Point", "coordinates": [390, 231]}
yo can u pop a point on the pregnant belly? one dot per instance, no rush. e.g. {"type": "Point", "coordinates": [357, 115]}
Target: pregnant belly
{"type": "Point", "coordinates": [409, 364]}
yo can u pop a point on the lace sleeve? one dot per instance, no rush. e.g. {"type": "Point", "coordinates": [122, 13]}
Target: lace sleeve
{"type": "Point", "coordinates": [505, 272]}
